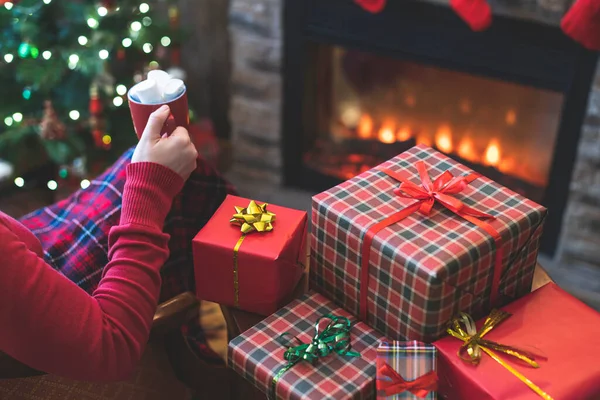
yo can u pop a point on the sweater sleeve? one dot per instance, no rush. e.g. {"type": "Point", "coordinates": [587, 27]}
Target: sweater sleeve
{"type": "Point", "coordinates": [50, 324]}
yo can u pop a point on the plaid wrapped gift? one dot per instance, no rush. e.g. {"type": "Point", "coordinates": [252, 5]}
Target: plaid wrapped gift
{"type": "Point", "coordinates": [258, 356]}
{"type": "Point", "coordinates": [413, 370]}
{"type": "Point", "coordinates": [422, 269]}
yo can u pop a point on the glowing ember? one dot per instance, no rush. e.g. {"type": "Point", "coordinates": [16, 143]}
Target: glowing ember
{"type": "Point", "coordinates": [443, 139]}
{"type": "Point", "coordinates": [511, 117]}
{"type": "Point", "coordinates": [386, 134]}
{"type": "Point", "coordinates": [365, 126]}
{"type": "Point", "coordinates": [466, 151]}
{"type": "Point", "coordinates": [404, 134]}
{"type": "Point", "coordinates": [492, 154]}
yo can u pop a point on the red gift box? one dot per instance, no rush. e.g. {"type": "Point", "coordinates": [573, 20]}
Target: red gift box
{"type": "Point", "coordinates": [549, 322]}
{"type": "Point", "coordinates": [256, 271]}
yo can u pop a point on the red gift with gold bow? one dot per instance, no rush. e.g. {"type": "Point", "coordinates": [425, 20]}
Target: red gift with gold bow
{"type": "Point", "coordinates": [411, 242]}
{"type": "Point", "coordinates": [250, 255]}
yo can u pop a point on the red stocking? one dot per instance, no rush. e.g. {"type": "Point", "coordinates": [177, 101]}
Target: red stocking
{"type": "Point", "coordinates": [582, 23]}
{"type": "Point", "coordinates": [373, 6]}
{"type": "Point", "coordinates": [476, 13]}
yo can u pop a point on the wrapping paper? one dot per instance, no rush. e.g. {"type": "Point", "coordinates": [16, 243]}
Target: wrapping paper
{"type": "Point", "coordinates": [422, 269]}
{"type": "Point", "coordinates": [549, 322]}
{"type": "Point", "coordinates": [258, 274]}
{"type": "Point", "coordinates": [258, 356]}
{"type": "Point", "coordinates": [412, 360]}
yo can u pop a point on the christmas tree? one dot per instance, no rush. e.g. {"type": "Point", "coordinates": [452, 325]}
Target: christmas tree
{"type": "Point", "coordinates": [65, 69]}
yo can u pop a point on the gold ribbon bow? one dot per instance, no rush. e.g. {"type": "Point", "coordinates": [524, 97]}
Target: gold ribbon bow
{"type": "Point", "coordinates": [254, 218]}
{"type": "Point", "coordinates": [463, 327]}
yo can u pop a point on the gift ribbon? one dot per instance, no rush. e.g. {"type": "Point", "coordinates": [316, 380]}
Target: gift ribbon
{"type": "Point", "coordinates": [463, 328]}
{"type": "Point", "coordinates": [420, 387]}
{"type": "Point", "coordinates": [335, 338]}
{"type": "Point", "coordinates": [441, 191]}
{"type": "Point", "coordinates": [254, 218]}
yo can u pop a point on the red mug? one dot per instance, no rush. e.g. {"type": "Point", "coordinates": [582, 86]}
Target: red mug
{"type": "Point", "coordinates": [180, 115]}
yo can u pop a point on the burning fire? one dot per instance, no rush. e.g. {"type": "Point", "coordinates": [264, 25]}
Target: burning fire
{"type": "Point", "coordinates": [404, 134]}
{"type": "Point", "coordinates": [443, 139]}
{"type": "Point", "coordinates": [386, 134]}
{"type": "Point", "coordinates": [492, 153]}
{"type": "Point", "coordinates": [365, 126]}
{"type": "Point", "coordinates": [466, 150]}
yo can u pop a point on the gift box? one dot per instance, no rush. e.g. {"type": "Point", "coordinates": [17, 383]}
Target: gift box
{"type": "Point", "coordinates": [260, 357]}
{"type": "Point", "coordinates": [559, 331]}
{"type": "Point", "coordinates": [250, 255]}
{"type": "Point", "coordinates": [406, 245]}
{"type": "Point", "coordinates": [406, 370]}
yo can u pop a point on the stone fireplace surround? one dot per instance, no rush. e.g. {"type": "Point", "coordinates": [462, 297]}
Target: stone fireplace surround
{"type": "Point", "coordinates": [256, 30]}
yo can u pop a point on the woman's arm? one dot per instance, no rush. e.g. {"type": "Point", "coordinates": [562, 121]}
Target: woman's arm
{"type": "Point", "coordinates": [50, 324]}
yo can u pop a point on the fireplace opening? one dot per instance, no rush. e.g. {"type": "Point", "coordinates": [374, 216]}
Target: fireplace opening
{"type": "Point", "coordinates": [360, 88]}
{"type": "Point", "coordinates": [372, 107]}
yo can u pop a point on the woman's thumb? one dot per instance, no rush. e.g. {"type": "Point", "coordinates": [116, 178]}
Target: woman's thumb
{"type": "Point", "coordinates": [155, 124]}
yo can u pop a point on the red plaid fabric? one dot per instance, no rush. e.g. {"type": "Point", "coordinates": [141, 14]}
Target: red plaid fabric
{"type": "Point", "coordinates": [411, 360]}
{"type": "Point", "coordinates": [423, 269]}
{"type": "Point", "coordinates": [257, 356]}
{"type": "Point", "coordinates": [74, 232]}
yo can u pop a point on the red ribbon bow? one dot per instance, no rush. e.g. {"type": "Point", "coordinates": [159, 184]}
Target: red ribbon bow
{"type": "Point", "coordinates": [420, 387]}
{"type": "Point", "coordinates": [441, 190]}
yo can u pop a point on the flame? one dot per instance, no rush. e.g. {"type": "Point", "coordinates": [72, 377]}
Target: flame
{"type": "Point", "coordinates": [507, 165]}
{"type": "Point", "coordinates": [492, 153]}
{"type": "Point", "coordinates": [351, 116]}
{"type": "Point", "coordinates": [386, 134]}
{"type": "Point", "coordinates": [511, 117]}
{"type": "Point", "coordinates": [404, 134]}
{"type": "Point", "coordinates": [443, 139]}
{"type": "Point", "coordinates": [423, 139]}
{"type": "Point", "coordinates": [466, 150]}
{"type": "Point", "coordinates": [365, 126]}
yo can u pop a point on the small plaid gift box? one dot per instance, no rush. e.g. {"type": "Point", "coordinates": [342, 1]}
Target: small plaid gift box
{"type": "Point", "coordinates": [406, 370]}
{"type": "Point", "coordinates": [258, 356]}
{"type": "Point", "coordinates": [408, 244]}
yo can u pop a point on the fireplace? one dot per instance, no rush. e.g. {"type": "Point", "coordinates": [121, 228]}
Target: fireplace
{"type": "Point", "coordinates": [509, 102]}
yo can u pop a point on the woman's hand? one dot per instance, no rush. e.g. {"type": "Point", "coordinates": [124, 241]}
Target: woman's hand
{"type": "Point", "coordinates": [176, 152]}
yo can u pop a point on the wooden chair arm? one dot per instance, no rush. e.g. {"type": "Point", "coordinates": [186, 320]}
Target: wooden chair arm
{"type": "Point", "coordinates": [169, 316]}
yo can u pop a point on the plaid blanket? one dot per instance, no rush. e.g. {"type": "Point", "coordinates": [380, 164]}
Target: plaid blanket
{"type": "Point", "coordinates": [74, 232]}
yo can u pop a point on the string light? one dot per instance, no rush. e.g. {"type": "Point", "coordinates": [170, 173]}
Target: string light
{"type": "Point", "coordinates": [73, 60]}
{"type": "Point", "coordinates": [9, 58]}
{"type": "Point", "coordinates": [26, 93]}
{"type": "Point", "coordinates": [147, 47]}
{"type": "Point", "coordinates": [127, 42]}
{"type": "Point", "coordinates": [92, 22]}
{"type": "Point", "coordinates": [47, 1]}
{"type": "Point", "coordinates": [47, 54]}
{"type": "Point", "coordinates": [121, 90]}
{"type": "Point", "coordinates": [74, 114]}
{"type": "Point", "coordinates": [8, 121]}
{"type": "Point", "coordinates": [165, 41]}
{"type": "Point", "coordinates": [52, 185]}
{"type": "Point", "coordinates": [136, 26]}
{"type": "Point", "coordinates": [18, 117]}
{"type": "Point", "coordinates": [102, 11]}
{"type": "Point", "coordinates": [82, 40]}
{"type": "Point", "coordinates": [85, 184]}
{"type": "Point", "coordinates": [106, 139]}
{"type": "Point", "coordinates": [144, 8]}
{"type": "Point", "coordinates": [147, 21]}
{"type": "Point", "coordinates": [19, 182]}
{"type": "Point", "coordinates": [8, 5]}
{"type": "Point", "coordinates": [103, 54]}
{"type": "Point", "coordinates": [118, 101]}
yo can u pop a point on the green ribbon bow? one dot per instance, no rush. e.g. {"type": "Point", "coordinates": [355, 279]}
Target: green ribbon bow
{"type": "Point", "coordinates": [335, 338]}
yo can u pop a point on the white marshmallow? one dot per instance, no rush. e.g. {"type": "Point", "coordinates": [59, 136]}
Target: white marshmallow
{"type": "Point", "coordinates": [161, 78]}
{"type": "Point", "coordinates": [173, 89]}
{"type": "Point", "coordinates": [133, 96]}
{"type": "Point", "coordinates": [148, 92]}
